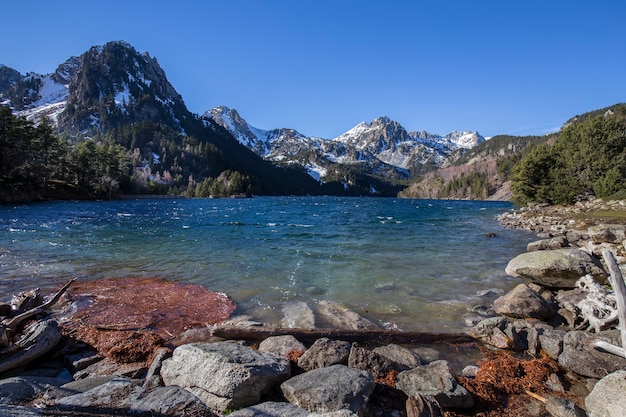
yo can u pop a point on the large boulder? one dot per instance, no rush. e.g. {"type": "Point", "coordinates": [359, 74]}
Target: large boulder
{"type": "Point", "coordinates": [580, 358]}
{"type": "Point", "coordinates": [330, 389]}
{"type": "Point", "coordinates": [224, 375]}
{"type": "Point", "coordinates": [435, 380]}
{"type": "Point", "coordinates": [607, 398]}
{"type": "Point", "coordinates": [523, 302]}
{"type": "Point", "coordinates": [559, 268]}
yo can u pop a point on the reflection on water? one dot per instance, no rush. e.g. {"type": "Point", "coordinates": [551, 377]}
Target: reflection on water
{"type": "Point", "coordinates": [412, 264]}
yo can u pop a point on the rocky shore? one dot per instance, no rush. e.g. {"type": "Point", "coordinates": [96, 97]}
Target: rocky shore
{"type": "Point", "coordinates": [536, 345]}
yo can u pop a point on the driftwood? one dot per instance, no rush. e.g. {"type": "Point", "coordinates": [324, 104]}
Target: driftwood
{"type": "Point", "coordinates": [617, 282]}
{"type": "Point", "coordinates": [360, 335]}
{"type": "Point", "coordinates": [38, 339]}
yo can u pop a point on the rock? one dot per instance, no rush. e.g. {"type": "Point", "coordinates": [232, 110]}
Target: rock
{"type": "Point", "coordinates": [108, 367]}
{"type": "Point", "coordinates": [399, 355]}
{"type": "Point", "coordinates": [382, 360]}
{"type": "Point", "coordinates": [281, 345]}
{"type": "Point", "coordinates": [470, 371]}
{"type": "Point", "coordinates": [560, 407]}
{"type": "Point", "coordinates": [607, 398]}
{"type": "Point", "coordinates": [559, 268]}
{"type": "Point", "coordinates": [86, 384]}
{"type": "Point", "coordinates": [15, 411]}
{"type": "Point", "coordinates": [367, 360]}
{"type": "Point", "coordinates": [435, 380]}
{"type": "Point", "coordinates": [551, 342]}
{"type": "Point", "coordinates": [523, 302]}
{"type": "Point", "coordinates": [122, 394]}
{"type": "Point", "coordinates": [330, 389]}
{"type": "Point", "coordinates": [153, 377]}
{"type": "Point", "coordinates": [325, 352]}
{"type": "Point", "coordinates": [298, 314]}
{"type": "Point", "coordinates": [497, 332]}
{"type": "Point", "coordinates": [275, 409]}
{"type": "Point", "coordinates": [19, 390]}
{"type": "Point", "coordinates": [224, 375]}
{"type": "Point", "coordinates": [587, 361]}
{"type": "Point", "coordinates": [343, 317]}
{"type": "Point", "coordinates": [547, 244]}
{"type": "Point", "coordinates": [607, 233]}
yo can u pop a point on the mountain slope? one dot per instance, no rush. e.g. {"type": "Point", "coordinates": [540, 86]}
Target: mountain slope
{"type": "Point", "coordinates": [113, 94]}
{"type": "Point", "coordinates": [381, 148]}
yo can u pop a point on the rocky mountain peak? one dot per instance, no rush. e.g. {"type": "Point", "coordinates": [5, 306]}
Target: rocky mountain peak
{"type": "Point", "coordinates": [115, 84]}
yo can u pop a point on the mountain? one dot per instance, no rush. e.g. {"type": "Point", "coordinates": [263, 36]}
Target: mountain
{"type": "Point", "coordinates": [114, 95]}
{"type": "Point", "coordinates": [382, 148]}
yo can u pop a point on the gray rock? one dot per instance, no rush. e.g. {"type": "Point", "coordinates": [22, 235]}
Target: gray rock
{"type": "Point", "coordinates": [559, 268]}
{"type": "Point", "coordinates": [275, 409]}
{"type": "Point", "coordinates": [551, 342]}
{"type": "Point", "coordinates": [523, 302]}
{"type": "Point", "coordinates": [399, 355]}
{"type": "Point", "coordinates": [271, 409]}
{"type": "Point", "coordinates": [108, 367]}
{"type": "Point", "coordinates": [607, 398]}
{"type": "Point", "coordinates": [547, 244]}
{"type": "Point", "coordinates": [330, 389]}
{"type": "Point", "coordinates": [367, 360]}
{"type": "Point", "coordinates": [470, 371]}
{"type": "Point", "coordinates": [224, 375]}
{"type": "Point", "coordinates": [122, 394]}
{"type": "Point", "coordinates": [281, 345]}
{"type": "Point", "coordinates": [19, 390]}
{"type": "Point", "coordinates": [85, 384]}
{"type": "Point", "coordinates": [153, 377]}
{"type": "Point", "coordinates": [607, 233]}
{"type": "Point", "coordinates": [16, 411]}
{"type": "Point", "coordinates": [560, 407]}
{"type": "Point", "coordinates": [325, 352]}
{"type": "Point", "coordinates": [587, 361]}
{"type": "Point", "coordinates": [435, 380]}
{"type": "Point", "coordinates": [497, 332]}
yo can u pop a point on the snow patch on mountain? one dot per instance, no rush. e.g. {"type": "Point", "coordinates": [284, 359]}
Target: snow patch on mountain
{"type": "Point", "coordinates": [383, 146]}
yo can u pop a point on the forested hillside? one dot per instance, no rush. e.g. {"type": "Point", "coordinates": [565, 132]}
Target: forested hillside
{"type": "Point", "coordinates": [587, 158]}
{"type": "Point", "coordinates": [477, 173]}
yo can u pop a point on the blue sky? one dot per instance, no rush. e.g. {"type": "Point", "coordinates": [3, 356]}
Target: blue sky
{"type": "Point", "coordinates": [321, 67]}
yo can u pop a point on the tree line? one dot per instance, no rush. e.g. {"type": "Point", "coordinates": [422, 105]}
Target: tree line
{"type": "Point", "coordinates": [588, 158]}
{"type": "Point", "coordinates": [36, 163]}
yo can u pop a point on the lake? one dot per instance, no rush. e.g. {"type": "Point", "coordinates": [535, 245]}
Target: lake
{"type": "Point", "coordinates": [418, 265]}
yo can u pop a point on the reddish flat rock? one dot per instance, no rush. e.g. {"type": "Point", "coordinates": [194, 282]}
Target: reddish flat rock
{"type": "Point", "coordinates": [126, 319]}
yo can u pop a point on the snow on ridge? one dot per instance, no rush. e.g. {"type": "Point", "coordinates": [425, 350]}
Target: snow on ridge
{"type": "Point", "coordinates": [50, 92]}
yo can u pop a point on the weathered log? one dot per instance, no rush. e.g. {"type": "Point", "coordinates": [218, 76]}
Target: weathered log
{"type": "Point", "coordinates": [348, 335]}
{"type": "Point", "coordinates": [617, 282]}
{"type": "Point", "coordinates": [40, 338]}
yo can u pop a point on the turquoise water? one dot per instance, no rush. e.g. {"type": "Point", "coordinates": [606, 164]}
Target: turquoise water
{"type": "Point", "coordinates": [412, 264]}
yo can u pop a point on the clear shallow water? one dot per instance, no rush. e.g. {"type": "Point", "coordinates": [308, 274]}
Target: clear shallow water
{"type": "Point", "coordinates": [415, 264]}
